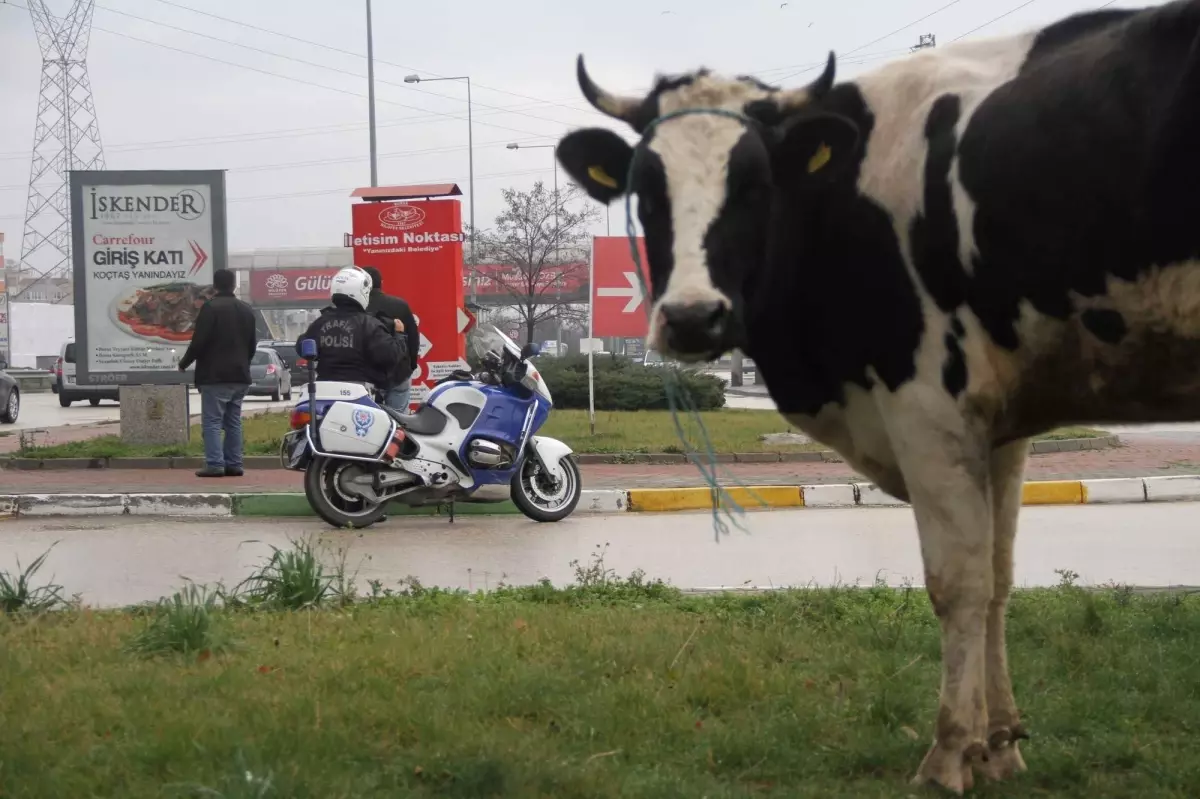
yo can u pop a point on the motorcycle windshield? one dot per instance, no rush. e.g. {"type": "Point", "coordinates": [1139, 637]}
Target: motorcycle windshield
{"type": "Point", "coordinates": [509, 345]}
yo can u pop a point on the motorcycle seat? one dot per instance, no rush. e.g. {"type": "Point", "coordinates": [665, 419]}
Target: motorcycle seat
{"type": "Point", "coordinates": [427, 421]}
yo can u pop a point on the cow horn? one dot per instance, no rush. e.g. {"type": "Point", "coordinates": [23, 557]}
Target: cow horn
{"type": "Point", "coordinates": [622, 108]}
{"type": "Point", "coordinates": [792, 99]}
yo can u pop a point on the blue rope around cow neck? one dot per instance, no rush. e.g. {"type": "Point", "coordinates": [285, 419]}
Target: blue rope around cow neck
{"type": "Point", "coordinates": [678, 396]}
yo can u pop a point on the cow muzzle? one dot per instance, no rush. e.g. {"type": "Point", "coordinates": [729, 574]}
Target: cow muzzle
{"type": "Point", "coordinates": [696, 330]}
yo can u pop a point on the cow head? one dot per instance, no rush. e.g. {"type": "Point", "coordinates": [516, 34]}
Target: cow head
{"type": "Point", "coordinates": [706, 184]}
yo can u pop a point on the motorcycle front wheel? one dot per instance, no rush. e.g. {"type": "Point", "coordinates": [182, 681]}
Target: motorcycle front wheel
{"type": "Point", "coordinates": [533, 494]}
{"type": "Point", "coordinates": [323, 486]}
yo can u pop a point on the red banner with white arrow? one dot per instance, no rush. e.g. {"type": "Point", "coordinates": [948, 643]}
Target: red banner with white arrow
{"type": "Point", "coordinates": [619, 303]}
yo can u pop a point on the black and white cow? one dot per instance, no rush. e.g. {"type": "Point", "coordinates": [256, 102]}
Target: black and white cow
{"type": "Point", "coordinates": [930, 264]}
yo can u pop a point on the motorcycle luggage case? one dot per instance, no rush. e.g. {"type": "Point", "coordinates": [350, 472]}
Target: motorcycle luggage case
{"type": "Point", "coordinates": [352, 429]}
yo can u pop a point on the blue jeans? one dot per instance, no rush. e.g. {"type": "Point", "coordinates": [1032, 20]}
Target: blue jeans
{"type": "Point", "coordinates": [398, 396]}
{"type": "Point", "coordinates": [221, 410]}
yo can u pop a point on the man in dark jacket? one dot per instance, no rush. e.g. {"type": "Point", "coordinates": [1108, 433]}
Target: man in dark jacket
{"type": "Point", "coordinates": [352, 345]}
{"type": "Point", "coordinates": [223, 342]}
{"type": "Point", "coordinates": [389, 307]}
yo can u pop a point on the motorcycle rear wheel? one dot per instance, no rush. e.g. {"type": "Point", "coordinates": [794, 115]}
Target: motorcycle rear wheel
{"type": "Point", "coordinates": [320, 487]}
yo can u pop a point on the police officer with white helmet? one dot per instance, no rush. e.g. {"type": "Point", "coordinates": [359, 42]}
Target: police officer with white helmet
{"type": "Point", "coordinates": [352, 345]}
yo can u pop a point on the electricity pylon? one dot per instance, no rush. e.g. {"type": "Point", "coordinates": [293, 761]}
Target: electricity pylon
{"type": "Point", "coordinates": [66, 136]}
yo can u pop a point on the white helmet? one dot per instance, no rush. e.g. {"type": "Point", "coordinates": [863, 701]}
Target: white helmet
{"type": "Point", "coordinates": [353, 283]}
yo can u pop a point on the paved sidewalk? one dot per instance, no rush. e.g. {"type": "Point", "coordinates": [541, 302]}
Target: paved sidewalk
{"type": "Point", "coordinates": [1142, 456]}
{"type": "Point", "coordinates": [10, 440]}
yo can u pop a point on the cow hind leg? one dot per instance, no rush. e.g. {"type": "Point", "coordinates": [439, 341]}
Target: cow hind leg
{"type": "Point", "coordinates": [1004, 722]}
{"type": "Point", "coordinates": [948, 477]}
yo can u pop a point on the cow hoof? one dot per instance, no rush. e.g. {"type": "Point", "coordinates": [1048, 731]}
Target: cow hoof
{"type": "Point", "coordinates": [1004, 759]}
{"type": "Point", "coordinates": [950, 769]}
{"type": "Point", "coordinates": [1003, 764]}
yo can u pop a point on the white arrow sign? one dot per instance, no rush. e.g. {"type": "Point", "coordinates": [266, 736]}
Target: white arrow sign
{"type": "Point", "coordinates": [634, 292]}
{"type": "Point", "coordinates": [426, 346]}
{"type": "Point", "coordinates": [463, 320]}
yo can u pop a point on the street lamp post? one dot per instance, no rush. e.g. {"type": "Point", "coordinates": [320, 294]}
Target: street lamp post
{"type": "Point", "coordinates": [557, 289]}
{"type": "Point", "coordinates": [371, 96]}
{"type": "Point", "coordinates": [470, 165]}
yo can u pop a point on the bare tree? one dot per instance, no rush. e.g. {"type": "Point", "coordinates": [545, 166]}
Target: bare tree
{"type": "Point", "coordinates": [537, 253]}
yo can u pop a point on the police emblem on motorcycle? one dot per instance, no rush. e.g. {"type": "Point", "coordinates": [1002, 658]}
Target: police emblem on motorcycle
{"type": "Point", "coordinates": [362, 422]}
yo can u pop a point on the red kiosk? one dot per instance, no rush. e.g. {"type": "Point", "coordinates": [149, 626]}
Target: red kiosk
{"type": "Point", "coordinates": [416, 243]}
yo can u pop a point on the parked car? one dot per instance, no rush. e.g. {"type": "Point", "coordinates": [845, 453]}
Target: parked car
{"type": "Point", "coordinates": [10, 397]}
{"type": "Point", "coordinates": [269, 376]}
{"type": "Point", "coordinates": [286, 350]}
{"type": "Point", "coordinates": [654, 358]}
{"type": "Point", "coordinates": [70, 391]}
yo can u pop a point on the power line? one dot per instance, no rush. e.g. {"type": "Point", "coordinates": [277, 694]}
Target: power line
{"type": "Point", "coordinates": [901, 29]}
{"type": "Point", "coordinates": [1002, 16]}
{"type": "Point", "coordinates": [347, 190]}
{"type": "Point", "coordinates": [806, 65]}
{"type": "Point", "coordinates": [328, 161]}
{"type": "Point", "coordinates": [249, 136]}
{"type": "Point", "coordinates": [305, 62]}
{"type": "Point", "coordinates": [314, 84]}
{"type": "Point", "coordinates": [333, 49]}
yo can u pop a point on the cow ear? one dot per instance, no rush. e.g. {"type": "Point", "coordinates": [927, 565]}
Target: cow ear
{"type": "Point", "coordinates": [598, 160]}
{"type": "Point", "coordinates": [814, 149]}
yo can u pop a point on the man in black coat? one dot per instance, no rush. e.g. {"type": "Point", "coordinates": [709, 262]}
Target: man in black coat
{"type": "Point", "coordinates": [352, 345]}
{"type": "Point", "coordinates": [223, 343]}
{"type": "Point", "coordinates": [388, 308]}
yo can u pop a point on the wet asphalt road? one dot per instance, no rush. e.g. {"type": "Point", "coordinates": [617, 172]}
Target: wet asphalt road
{"type": "Point", "coordinates": [115, 561]}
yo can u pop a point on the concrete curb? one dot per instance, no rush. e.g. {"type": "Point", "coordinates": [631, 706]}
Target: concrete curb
{"type": "Point", "coordinates": [1121, 490]}
{"type": "Point", "coordinates": [257, 462]}
{"type": "Point", "coordinates": [194, 505]}
{"type": "Point", "coordinates": [260, 505]}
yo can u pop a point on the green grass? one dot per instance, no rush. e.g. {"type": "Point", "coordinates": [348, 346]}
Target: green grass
{"type": "Point", "coordinates": [610, 688]}
{"type": "Point", "coordinates": [20, 595]}
{"type": "Point", "coordinates": [1064, 433]}
{"type": "Point", "coordinates": [186, 623]}
{"type": "Point", "coordinates": [730, 430]}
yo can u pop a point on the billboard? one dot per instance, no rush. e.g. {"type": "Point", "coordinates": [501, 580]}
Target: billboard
{"type": "Point", "coordinates": [287, 287]}
{"type": "Point", "coordinates": [506, 280]}
{"type": "Point", "coordinates": [417, 248]}
{"type": "Point", "coordinates": [144, 247]}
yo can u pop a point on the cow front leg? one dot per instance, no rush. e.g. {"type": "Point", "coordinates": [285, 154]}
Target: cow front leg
{"type": "Point", "coordinates": [949, 484]}
{"type": "Point", "coordinates": [1004, 721]}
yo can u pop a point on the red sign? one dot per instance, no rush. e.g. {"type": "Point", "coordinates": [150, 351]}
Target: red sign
{"type": "Point", "coordinates": [290, 286]}
{"type": "Point", "coordinates": [417, 248]}
{"type": "Point", "coordinates": [500, 280]}
{"type": "Point", "coordinates": [619, 306]}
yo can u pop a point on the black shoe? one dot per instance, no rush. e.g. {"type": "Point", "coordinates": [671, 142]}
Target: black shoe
{"type": "Point", "coordinates": [232, 472]}
{"type": "Point", "coordinates": [209, 471]}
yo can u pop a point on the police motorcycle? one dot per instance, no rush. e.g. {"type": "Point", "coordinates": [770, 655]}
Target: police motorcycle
{"type": "Point", "coordinates": [473, 440]}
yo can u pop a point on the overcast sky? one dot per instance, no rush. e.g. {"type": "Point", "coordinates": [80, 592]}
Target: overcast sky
{"type": "Point", "coordinates": [294, 150]}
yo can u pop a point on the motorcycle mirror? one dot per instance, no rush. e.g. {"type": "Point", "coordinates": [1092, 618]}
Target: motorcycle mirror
{"type": "Point", "coordinates": [530, 350]}
{"type": "Point", "coordinates": [308, 348]}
